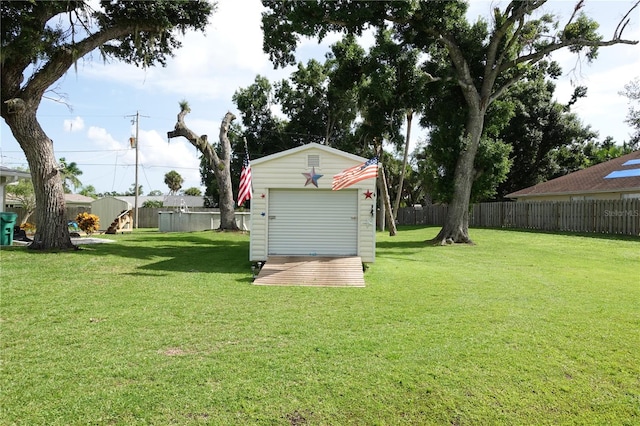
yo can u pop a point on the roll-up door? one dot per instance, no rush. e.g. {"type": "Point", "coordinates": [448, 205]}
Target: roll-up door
{"type": "Point", "coordinates": [313, 222]}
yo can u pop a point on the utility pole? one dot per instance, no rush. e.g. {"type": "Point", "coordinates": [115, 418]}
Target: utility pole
{"type": "Point", "coordinates": [136, 190]}
{"type": "Point", "coordinates": [135, 221]}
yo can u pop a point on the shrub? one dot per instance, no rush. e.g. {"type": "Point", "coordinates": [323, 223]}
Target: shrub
{"type": "Point", "coordinates": [88, 222]}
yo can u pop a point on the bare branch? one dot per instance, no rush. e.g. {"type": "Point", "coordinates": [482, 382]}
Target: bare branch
{"type": "Point", "coordinates": [617, 34]}
{"type": "Point", "coordinates": [578, 6]}
{"type": "Point", "coordinates": [200, 142]}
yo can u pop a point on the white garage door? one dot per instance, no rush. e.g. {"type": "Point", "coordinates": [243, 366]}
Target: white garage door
{"type": "Point", "coordinates": [313, 222]}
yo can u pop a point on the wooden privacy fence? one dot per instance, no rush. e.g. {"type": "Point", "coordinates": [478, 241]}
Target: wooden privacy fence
{"type": "Point", "coordinates": [592, 216]}
{"type": "Point", "coordinates": [70, 213]}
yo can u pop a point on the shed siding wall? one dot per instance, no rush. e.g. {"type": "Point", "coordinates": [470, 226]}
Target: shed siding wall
{"type": "Point", "coordinates": [107, 209]}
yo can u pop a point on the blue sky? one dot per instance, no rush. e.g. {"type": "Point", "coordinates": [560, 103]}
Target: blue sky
{"type": "Point", "coordinates": [94, 124]}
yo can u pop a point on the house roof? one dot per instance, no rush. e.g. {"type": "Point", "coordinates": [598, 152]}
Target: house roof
{"type": "Point", "coordinates": [307, 147]}
{"type": "Point", "coordinates": [621, 174]}
{"type": "Point", "coordinates": [14, 174]}
{"type": "Point", "coordinates": [77, 199]}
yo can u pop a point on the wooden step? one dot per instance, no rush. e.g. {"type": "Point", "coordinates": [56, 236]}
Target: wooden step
{"type": "Point", "coordinates": [312, 271]}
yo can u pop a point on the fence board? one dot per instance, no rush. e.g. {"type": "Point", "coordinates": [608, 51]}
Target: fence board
{"type": "Point", "coordinates": [590, 216]}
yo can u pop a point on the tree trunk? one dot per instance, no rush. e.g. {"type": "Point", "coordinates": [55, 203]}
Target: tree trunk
{"type": "Point", "coordinates": [222, 171]}
{"type": "Point", "coordinates": [221, 165]}
{"type": "Point", "coordinates": [52, 232]}
{"type": "Point", "coordinates": [405, 160]}
{"type": "Point", "coordinates": [384, 189]}
{"type": "Point", "coordinates": [456, 225]}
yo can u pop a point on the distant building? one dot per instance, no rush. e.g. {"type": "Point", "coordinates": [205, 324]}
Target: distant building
{"type": "Point", "coordinates": [616, 179]}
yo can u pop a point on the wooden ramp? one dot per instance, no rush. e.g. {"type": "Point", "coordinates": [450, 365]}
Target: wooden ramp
{"type": "Point", "coordinates": [312, 271]}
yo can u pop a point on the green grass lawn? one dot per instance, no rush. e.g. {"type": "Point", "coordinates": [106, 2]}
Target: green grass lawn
{"type": "Point", "coordinates": [522, 328]}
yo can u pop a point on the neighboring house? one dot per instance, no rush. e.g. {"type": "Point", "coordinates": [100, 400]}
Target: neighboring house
{"type": "Point", "coordinates": [168, 201]}
{"type": "Point", "coordinates": [616, 179]}
{"type": "Point", "coordinates": [294, 212]}
{"type": "Point", "coordinates": [8, 176]}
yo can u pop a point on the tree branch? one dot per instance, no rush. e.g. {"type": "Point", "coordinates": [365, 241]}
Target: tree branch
{"type": "Point", "coordinates": [200, 142]}
{"type": "Point", "coordinates": [553, 47]}
{"type": "Point", "coordinates": [517, 11]}
{"type": "Point", "coordinates": [577, 7]}
{"type": "Point", "coordinates": [63, 59]}
{"type": "Point", "coordinates": [623, 22]}
{"type": "Point", "coordinates": [464, 74]}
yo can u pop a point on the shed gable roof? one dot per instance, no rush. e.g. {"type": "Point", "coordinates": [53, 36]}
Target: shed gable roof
{"type": "Point", "coordinates": [599, 178]}
{"type": "Point", "coordinates": [300, 149]}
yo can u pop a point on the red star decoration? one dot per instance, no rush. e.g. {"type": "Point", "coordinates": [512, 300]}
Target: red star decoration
{"type": "Point", "coordinates": [368, 194]}
{"type": "Point", "coordinates": [262, 195]}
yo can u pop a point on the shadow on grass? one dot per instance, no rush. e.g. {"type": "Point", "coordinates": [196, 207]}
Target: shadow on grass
{"type": "Point", "coordinates": [422, 242]}
{"type": "Point", "coordinates": [188, 252]}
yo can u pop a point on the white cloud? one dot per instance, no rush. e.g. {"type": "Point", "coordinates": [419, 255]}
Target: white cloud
{"type": "Point", "coordinates": [74, 124]}
{"type": "Point", "coordinates": [101, 137]}
{"type": "Point", "coordinates": [160, 156]}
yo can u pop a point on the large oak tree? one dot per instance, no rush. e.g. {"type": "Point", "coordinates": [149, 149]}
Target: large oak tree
{"type": "Point", "coordinates": [43, 40]}
{"type": "Point", "coordinates": [483, 59]}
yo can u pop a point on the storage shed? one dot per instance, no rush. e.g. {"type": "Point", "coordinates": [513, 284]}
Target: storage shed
{"type": "Point", "coordinates": [108, 209]}
{"type": "Point", "coordinates": [294, 211]}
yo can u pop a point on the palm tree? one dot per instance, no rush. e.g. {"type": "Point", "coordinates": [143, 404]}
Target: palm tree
{"type": "Point", "coordinates": [173, 181]}
{"type": "Point", "coordinates": [69, 174]}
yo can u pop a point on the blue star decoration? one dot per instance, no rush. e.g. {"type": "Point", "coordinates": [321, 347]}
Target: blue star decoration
{"type": "Point", "coordinates": [312, 177]}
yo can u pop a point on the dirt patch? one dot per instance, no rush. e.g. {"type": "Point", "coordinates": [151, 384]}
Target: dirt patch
{"type": "Point", "coordinates": [173, 352]}
{"type": "Point", "coordinates": [298, 418]}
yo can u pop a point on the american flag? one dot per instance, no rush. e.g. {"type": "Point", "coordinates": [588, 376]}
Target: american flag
{"type": "Point", "coordinates": [348, 177]}
{"type": "Point", "coordinates": [244, 190]}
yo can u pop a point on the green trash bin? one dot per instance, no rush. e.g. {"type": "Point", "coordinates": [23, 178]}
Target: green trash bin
{"type": "Point", "coordinates": [7, 222]}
